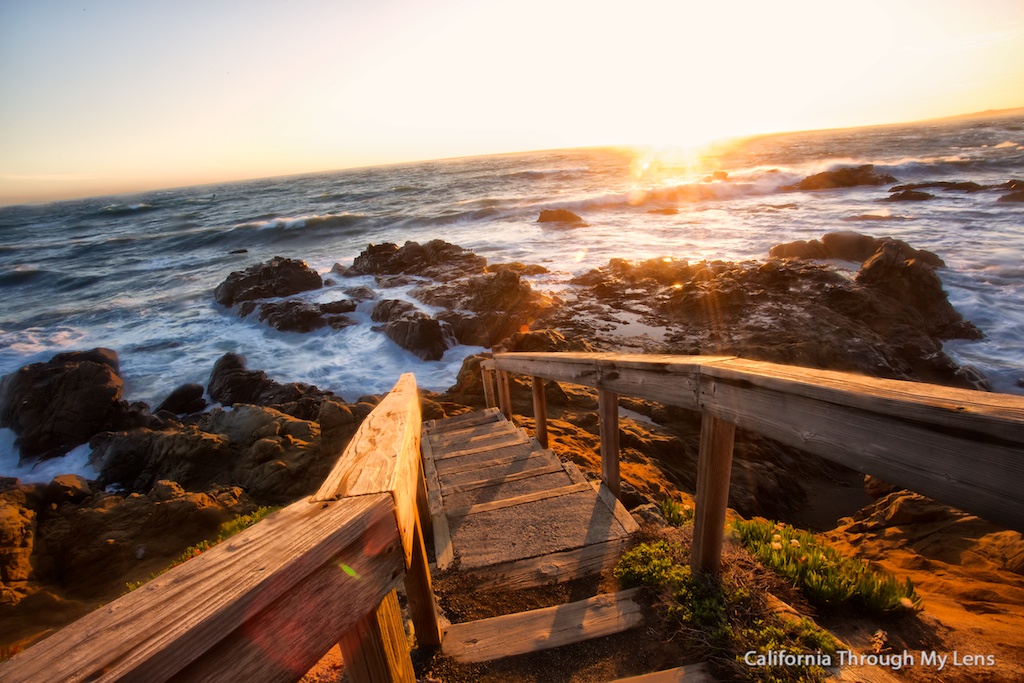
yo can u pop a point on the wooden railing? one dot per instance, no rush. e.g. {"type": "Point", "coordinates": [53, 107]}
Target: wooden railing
{"type": "Point", "coordinates": [964, 448]}
{"type": "Point", "coordinates": [267, 604]}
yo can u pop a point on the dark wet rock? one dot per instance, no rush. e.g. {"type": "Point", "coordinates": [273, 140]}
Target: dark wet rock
{"type": "Point", "coordinates": [184, 400]}
{"type": "Point", "coordinates": [391, 309]}
{"type": "Point", "coordinates": [483, 310]}
{"type": "Point", "coordinates": [57, 405]}
{"type": "Point", "coordinates": [276, 278]}
{"type": "Point", "coordinates": [424, 336]}
{"type": "Point", "coordinates": [1013, 197]}
{"type": "Point", "coordinates": [66, 488]}
{"type": "Point", "coordinates": [560, 216]}
{"type": "Point", "coordinates": [543, 340]}
{"type": "Point", "coordinates": [947, 185]}
{"type": "Point", "coordinates": [909, 196]}
{"type": "Point", "coordinates": [299, 316]}
{"type": "Point", "coordinates": [850, 246]}
{"type": "Point", "coordinates": [231, 383]}
{"type": "Point", "coordinates": [361, 293]}
{"type": "Point", "coordinates": [719, 176]}
{"type": "Point", "coordinates": [436, 259]}
{"type": "Point", "coordinates": [843, 177]}
{"type": "Point", "coordinates": [518, 268]}
{"type": "Point", "coordinates": [888, 322]}
{"type": "Point", "coordinates": [669, 211]}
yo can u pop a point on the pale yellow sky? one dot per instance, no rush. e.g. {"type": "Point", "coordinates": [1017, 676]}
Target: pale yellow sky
{"type": "Point", "coordinates": [118, 96]}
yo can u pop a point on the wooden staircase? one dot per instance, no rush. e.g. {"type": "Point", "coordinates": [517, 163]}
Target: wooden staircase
{"type": "Point", "coordinates": [512, 515]}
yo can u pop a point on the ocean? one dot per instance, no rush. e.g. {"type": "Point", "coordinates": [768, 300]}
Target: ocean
{"type": "Point", "coordinates": [137, 273]}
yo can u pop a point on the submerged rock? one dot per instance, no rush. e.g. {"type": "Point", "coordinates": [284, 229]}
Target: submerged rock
{"type": "Point", "coordinates": [300, 316]}
{"type": "Point", "coordinates": [850, 246]}
{"type": "Point", "coordinates": [561, 216]}
{"type": "Point", "coordinates": [186, 399]}
{"type": "Point", "coordinates": [843, 177]}
{"type": "Point", "coordinates": [909, 196]}
{"type": "Point", "coordinates": [275, 278]}
{"type": "Point", "coordinates": [231, 383]}
{"type": "Point", "coordinates": [417, 332]}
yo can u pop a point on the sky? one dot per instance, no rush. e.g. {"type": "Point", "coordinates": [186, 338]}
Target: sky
{"type": "Point", "coordinates": [123, 96]}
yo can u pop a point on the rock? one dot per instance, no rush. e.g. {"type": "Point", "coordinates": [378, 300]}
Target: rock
{"type": "Point", "coordinates": [425, 337]}
{"type": "Point", "coordinates": [391, 309]}
{"type": "Point", "coordinates": [17, 542]}
{"type": "Point", "coordinates": [66, 488]}
{"type": "Point", "coordinates": [57, 405]}
{"type": "Point", "coordinates": [299, 316]}
{"type": "Point", "coordinates": [909, 196]}
{"type": "Point", "coordinates": [914, 283]}
{"type": "Point", "coordinates": [877, 488]}
{"type": "Point", "coordinates": [231, 383]}
{"type": "Point", "coordinates": [941, 184]}
{"type": "Point", "coordinates": [1013, 197]}
{"type": "Point", "coordinates": [561, 216]}
{"type": "Point", "coordinates": [436, 259]}
{"type": "Point", "coordinates": [843, 177]}
{"type": "Point", "coordinates": [186, 399]}
{"type": "Point", "coordinates": [275, 278]}
{"type": "Point", "coordinates": [849, 246]}
{"type": "Point", "coordinates": [360, 293]}
{"type": "Point", "coordinates": [649, 514]}
{"type": "Point", "coordinates": [667, 211]}
{"type": "Point", "coordinates": [518, 268]}
{"type": "Point", "coordinates": [543, 340]}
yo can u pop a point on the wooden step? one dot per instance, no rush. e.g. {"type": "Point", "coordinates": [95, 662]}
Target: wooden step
{"type": "Point", "coordinates": [532, 528]}
{"type": "Point", "coordinates": [543, 629]}
{"type": "Point", "coordinates": [485, 458]}
{"type": "Point", "coordinates": [463, 434]}
{"type": "Point", "coordinates": [479, 444]}
{"type": "Point", "coordinates": [465, 420]}
{"type": "Point", "coordinates": [538, 463]}
{"type": "Point", "coordinates": [513, 486]}
{"type": "Point", "coordinates": [692, 673]}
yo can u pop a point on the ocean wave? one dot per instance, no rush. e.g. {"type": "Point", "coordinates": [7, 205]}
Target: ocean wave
{"type": "Point", "coordinates": [342, 220]}
{"type": "Point", "coordinates": [19, 275]}
{"type": "Point", "coordinates": [125, 209]}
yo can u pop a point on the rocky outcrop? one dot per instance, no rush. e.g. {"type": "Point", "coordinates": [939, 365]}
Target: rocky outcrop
{"type": "Point", "coordinates": [843, 177]}
{"type": "Point", "coordinates": [276, 278]}
{"type": "Point", "coordinates": [909, 196]}
{"type": "Point", "coordinates": [890, 321]}
{"type": "Point", "coordinates": [186, 399]}
{"type": "Point", "coordinates": [436, 259]}
{"type": "Point", "coordinates": [299, 316]}
{"type": "Point", "coordinates": [851, 246]}
{"type": "Point", "coordinates": [417, 332]}
{"type": "Point", "coordinates": [57, 405]}
{"type": "Point", "coordinates": [231, 383]}
{"type": "Point", "coordinates": [1012, 197]}
{"type": "Point", "coordinates": [561, 216]}
{"type": "Point", "coordinates": [485, 309]}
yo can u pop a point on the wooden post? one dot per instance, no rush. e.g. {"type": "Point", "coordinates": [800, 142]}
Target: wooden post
{"type": "Point", "coordinates": [420, 592]}
{"type": "Point", "coordinates": [540, 411]}
{"type": "Point", "coordinates": [714, 467]}
{"type": "Point", "coordinates": [608, 420]}
{"type": "Point", "coordinates": [504, 395]}
{"type": "Point", "coordinates": [487, 375]}
{"type": "Point", "coordinates": [376, 649]}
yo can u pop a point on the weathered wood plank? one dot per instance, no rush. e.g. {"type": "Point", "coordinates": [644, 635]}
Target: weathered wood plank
{"type": "Point", "coordinates": [420, 592]}
{"type": "Point", "coordinates": [504, 478]}
{"type": "Point", "coordinates": [668, 379]}
{"type": "Point", "coordinates": [504, 395]}
{"type": "Point", "coordinates": [477, 458]}
{"type": "Point", "coordinates": [488, 469]}
{"type": "Point", "coordinates": [518, 500]}
{"type": "Point", "coordinates": [692, 673]}
{"type": "Point", "coordinates": [914, 447]}
{"type": "Point", "coordinates": [487, 375]}
{"type": "Point", "coordinates": [714, 468]}
{"type": "Point", "coordinates": [552, 568]}
{"type": "Point", "coordinates": [502, 490]}
{"type": "Point", "coordinates": [540, 411]}
{"type": "Point", "coordinates": [534, 529]}
{"type": "Point", "coordinates": [469, 433]}
{"type": "Point", "coordinates": [157, 630]}
{"type": "Point", "coordinates": [477, 417]}
{"type": "Point", "coordinates": [443, 552]}
{"type": "Point", "coordinates": [608, 421]}
{"type": "Point", "coordinates": [481, 444]}
{"type": "Point", "coordinates": [542, 629]}
{"type": "Point", "coordinates": [613, 503]}
{"type": "Point", "coordinates": [376, 649]}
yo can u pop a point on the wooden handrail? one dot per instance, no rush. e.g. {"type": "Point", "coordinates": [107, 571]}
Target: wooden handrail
{"type": "Point", "coordinates": [964, 448]}
{"type": "Point", "coordinates": [267, 604]}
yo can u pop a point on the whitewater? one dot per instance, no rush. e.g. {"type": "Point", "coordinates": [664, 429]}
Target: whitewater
{"type": "Point", "coordinates": [137, 273]}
